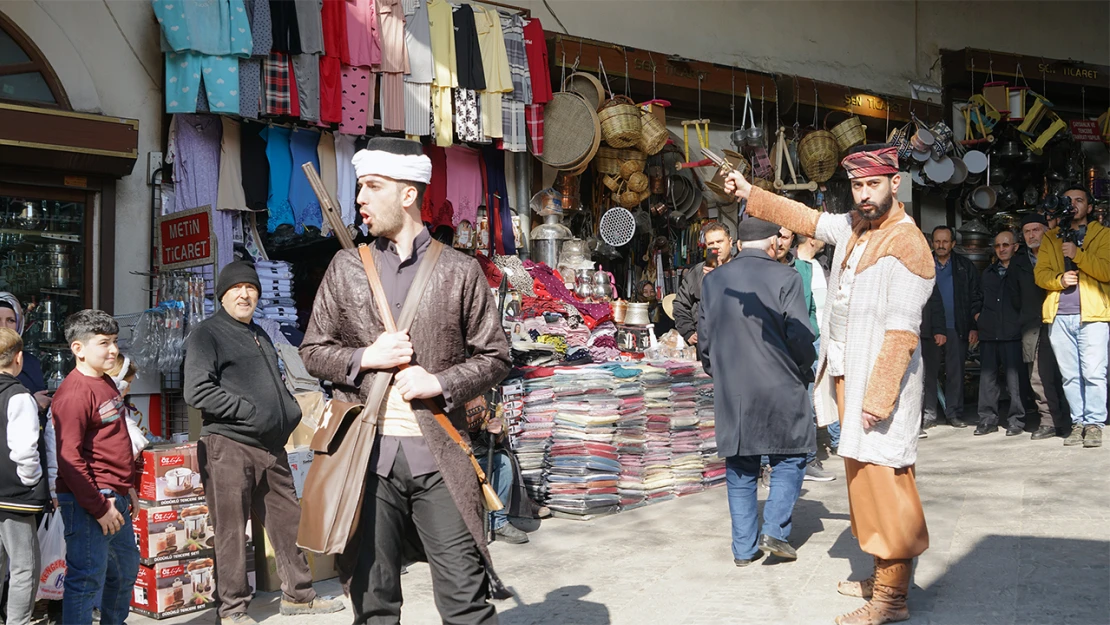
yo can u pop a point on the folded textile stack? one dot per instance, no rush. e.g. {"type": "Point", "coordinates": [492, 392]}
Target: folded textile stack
{"type": "Point", "coordinates": [630, 438]}
{"type": "Point", "coordinates": [582, 465]}
{"type": "Point", "coordinates": [535, 435]}
{"type": "Point", "coordinates": [275, 302]}
{"type": "Point", "coordinates": [686, 460]}
{"type": "Point", "coordinates": [659, 478]}
{"type": "Point", "coordinates": [714, 473]}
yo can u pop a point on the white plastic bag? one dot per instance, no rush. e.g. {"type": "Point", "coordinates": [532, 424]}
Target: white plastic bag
{"type": "Point", "coordinates": [52, 546]}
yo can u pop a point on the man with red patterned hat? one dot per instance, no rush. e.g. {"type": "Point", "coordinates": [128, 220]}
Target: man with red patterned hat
{"type": "Point", "coordinates": [869, 374]}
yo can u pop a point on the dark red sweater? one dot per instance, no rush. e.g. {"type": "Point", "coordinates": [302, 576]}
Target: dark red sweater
{"type": "Point", "coordinates": [94, 449]}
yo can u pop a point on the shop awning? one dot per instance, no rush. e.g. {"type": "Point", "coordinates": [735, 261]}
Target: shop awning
{"type": "Point", "coordinates": [78, 143]}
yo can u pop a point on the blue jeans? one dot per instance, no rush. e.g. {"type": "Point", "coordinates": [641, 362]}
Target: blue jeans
{"type": "Point", "coordinates": [501, 479]}
{"type": "Point", "coordinates": [95, 561]}
{"type": "Point", "coordinates": [1080, 350]}
{"type": "Point", "coordinates": [741, 475]}
{"type": "Point", "coordinates": [812, 456]}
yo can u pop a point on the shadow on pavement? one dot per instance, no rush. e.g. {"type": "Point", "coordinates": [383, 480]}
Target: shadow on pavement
{"type": "Point", "coordinates": [563, 605]}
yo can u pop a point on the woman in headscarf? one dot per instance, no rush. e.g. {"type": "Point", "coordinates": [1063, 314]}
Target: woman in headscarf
{"type": "Point", "coordinates": [11, 316]}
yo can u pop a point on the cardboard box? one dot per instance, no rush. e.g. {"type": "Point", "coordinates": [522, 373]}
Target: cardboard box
{"type": "Point", "coordinates": [173, 532]}
{"type": "Point", "coordinates": [174, 587]}
{"type": "Point", "coordinates": [171, 475]}
{"type": "Point", "coordinates": [323, 567]}
{"type": "Point", "coordinates": [300, 459]}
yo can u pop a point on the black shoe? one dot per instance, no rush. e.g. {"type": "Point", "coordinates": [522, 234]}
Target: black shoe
{"type": "Point", "coordinates": [1043, 432]}
{"type": "Point", "coordinates": [510, 534]}
{"type": "Point", "coordinates": [983, 430]}
{"type": "Point", "coordinates": [928, 423]}
{"type": "Point", "coordinates": [758, 555]}
{"type": "Point", "coordinates": [956, 423]}
{"type": "Point", "coordinates": [1015, 430]}
{"type": "Point", "coordinates": [777, 547]}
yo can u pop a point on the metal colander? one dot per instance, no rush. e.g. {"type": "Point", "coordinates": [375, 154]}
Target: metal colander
{"type": "Point", "coordinates": [617, 226]}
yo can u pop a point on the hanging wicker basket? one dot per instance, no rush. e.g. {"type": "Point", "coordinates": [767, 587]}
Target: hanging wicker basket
{"type": "Point", "coordinates": [609, 160]}
{"type": "Point", "coordinates": [653, 135]}
{"type": "Point", "coordinates": [848, 133]}
{"type": "Point", "coordinates": [638, 182]}
{"type": "Point", "coordinates": [819, 154]}
{"type": "Point", "coordinates": [587, 86]}
{"type": "Point", "coordinates": [621, 125]}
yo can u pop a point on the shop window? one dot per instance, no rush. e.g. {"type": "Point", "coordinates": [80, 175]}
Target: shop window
{"type": "Point", "coordinates": [25, 76]}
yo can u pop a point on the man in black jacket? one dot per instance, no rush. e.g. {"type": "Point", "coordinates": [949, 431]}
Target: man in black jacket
{"type": "Point", "coordinates": [1036, 348]}
{"type": "Point", "coordinates": [958, 282]}
{"type": "Point", "coordinates": [719, 242]}
{"type": "Point", "coordinates": [757, 344]}
{"type": "Point", "coordinates": [232, 377]}
{"type": "Point", "coordinates": [934, 336]}
{"type": "Point", "coordinates": [1000, 339]}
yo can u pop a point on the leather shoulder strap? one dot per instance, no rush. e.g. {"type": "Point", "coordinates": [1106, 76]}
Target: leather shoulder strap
{"type": "Point", "coordinates": [421, 281]}
{"type": "Point", "coordinates": [419, 285]}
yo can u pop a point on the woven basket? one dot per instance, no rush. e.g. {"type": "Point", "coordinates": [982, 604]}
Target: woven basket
{"type": "Point", "coordinates": [621, 126]}
{"type": "Point", "coordinates": [653, 135]}
{"type": "Point", "coordinates": [848, 133]}
{"type": "Point", "coordinates": [587, 86]}
{"type": "Point", "coordinates": [638, 182]}
{"type": "Point", "coordinates": [631, 167]}
{"type": "Point", "coordinates": [574, 131]}
{"type": "Point", "coordinates": [819, 154]}
{"type": "Point", "coordinates": [609, 160]}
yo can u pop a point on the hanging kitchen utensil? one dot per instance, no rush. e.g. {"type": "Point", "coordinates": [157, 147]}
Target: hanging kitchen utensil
{"type": "Point", "coordinates": [753, 134]}
{"type": "Point", "coordinates": [784, 153]}
{"type": "Point", "coordinates": [575, 132]}
{"type": "Point", "coordinates": [587, 86]}
{"type": "Point", "coordinates": [617, 226]}
{"type": "Point", "coordinates": [959, 173]}
{"type": "Point", "coordinates": [939, 170]}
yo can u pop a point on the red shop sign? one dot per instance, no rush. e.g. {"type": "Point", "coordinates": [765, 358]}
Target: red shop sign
{"type": "Point", "coordinates": [1086, 130]}
{"type": "Point", "coordinates": [186, 239]}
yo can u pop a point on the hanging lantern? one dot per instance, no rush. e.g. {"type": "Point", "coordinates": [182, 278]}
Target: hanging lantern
{"type": "Point", "coordinates": [996, 93]}
{"type": "Point", "coordinates": [1017, 96]}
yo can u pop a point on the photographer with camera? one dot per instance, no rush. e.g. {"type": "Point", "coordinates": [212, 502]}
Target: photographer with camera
{"type": "Point", "coordinates": [1073, 267]}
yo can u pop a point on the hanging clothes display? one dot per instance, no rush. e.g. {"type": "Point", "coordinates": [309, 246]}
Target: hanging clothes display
{"type": "Point", "coordinates": [536, 47]}
{"type": "Point", "coordinates": [253, 164]}
{"type": "Point", "coordinates": [495, 64]}
{"type": "Point", "coordinates": [418, 82]}
{"type": "Point", "coordinates": [346, 182]}
{"type": "Point", "coordinates": [230, 194]}
{"type": "Point", "coordinates": [286, 31]}
{"type": "Point", "coordinates": [203, 41]}
{"type": "Point", "coordinates": [280, 158]}
{"type": "Point", "coordinates": [363, 43]}
{"type": "Point", "coordinates": [306, 207]}
{"type": "Point", "coordinates": [436, 209]}
{"type": "Point", "coordinates": [513, 120]}
{"type": "Point", "coordinates": [500, 215]}
{"type": "Point", "coordinates": [306, 70]}
{"type": "Point", "coordinates": [358, 99]}
{"type": "Point", "coordinates": [334, 20]}
{"type": "Point", "coordinates": [441, 26]}
{"type": "Point", "coordinates": [196, 174]}
{"type": "Point", "coordinates": [395, 64]}
{"type": "Point", "coordinates": [250, 70]}
{"type": "Point", "coordinates": [310, 26]}
{"type": "Point", "coordinates": [464, 184]}
{"type": "Point", "coordinates": [277, 81]}
{"type": "Point", "coordinates": [471, 76]}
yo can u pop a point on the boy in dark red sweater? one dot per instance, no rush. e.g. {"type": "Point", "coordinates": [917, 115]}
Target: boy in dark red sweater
{"type": "Point", "coordinates": [96, 476]}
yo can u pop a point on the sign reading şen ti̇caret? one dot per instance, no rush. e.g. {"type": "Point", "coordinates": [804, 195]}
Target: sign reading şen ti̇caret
{"type": "Point", "coordinates": [186, 239]}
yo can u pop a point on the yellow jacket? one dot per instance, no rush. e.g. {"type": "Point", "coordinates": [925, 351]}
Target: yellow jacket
{"type": "Point", "coordinates": [1093, 262]}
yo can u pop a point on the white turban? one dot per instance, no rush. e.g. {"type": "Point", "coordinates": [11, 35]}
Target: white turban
{"type": "Point", "coordinates": [409, 167]}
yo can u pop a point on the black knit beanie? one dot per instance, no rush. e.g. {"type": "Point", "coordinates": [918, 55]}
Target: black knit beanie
{"type": "Point", "coordinates": [238, 272]}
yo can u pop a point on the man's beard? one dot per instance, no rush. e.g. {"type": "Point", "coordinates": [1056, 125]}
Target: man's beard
{"type": "Point", "coordinates": [872, 211]}
{"type": "Point", "coordinates": [388, 224]}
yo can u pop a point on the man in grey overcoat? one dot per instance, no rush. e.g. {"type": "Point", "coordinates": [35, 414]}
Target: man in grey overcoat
{"type": "Point", "coordinates": [757, 344]}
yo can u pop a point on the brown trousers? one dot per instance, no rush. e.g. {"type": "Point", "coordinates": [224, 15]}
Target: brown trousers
{"type": "Point", "coordinates": [886, 512]}
{"type": "Point", "coordinates": [240, 480]}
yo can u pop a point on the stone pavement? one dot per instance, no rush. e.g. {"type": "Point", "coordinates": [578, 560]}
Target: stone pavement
{"type": "Point", "coordinates": [1020, 534]}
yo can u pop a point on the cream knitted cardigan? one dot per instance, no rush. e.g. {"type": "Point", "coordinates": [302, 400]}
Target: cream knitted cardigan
{"type": "Point", "coordinates": [883, 370]}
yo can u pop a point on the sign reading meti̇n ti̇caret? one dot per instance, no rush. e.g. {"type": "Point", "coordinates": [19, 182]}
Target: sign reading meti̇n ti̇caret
{"type": "Point", "coordinates": [187, 239]}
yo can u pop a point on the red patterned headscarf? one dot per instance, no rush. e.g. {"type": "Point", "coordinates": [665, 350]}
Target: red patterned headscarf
{"type": "Point", "coordinates": [875, 163]}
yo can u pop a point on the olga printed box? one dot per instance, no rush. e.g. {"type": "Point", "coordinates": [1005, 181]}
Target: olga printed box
{"type": "Point", "coordinates": [174, 587]}
{"type": "Point", "coordinates": [171, 475]}
{"type": "Point", "coordinates": [174, 532]}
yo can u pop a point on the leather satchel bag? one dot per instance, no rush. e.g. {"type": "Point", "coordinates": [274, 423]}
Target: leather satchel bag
{"type": "Point", "coordinates": [343, 441]}
{"type": "Point", "coordinates": [492, 501]}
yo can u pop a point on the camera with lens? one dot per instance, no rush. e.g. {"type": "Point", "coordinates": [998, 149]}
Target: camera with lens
{"type": "Point", "coordinates": [1059, 207]}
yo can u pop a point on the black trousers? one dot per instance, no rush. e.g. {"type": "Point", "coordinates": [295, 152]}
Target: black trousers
{"type": "Point", "coordinates": [392, 505]}
{"type": "Point", "coordinates": [954, 354]}
{"type": "Point", "coordinates": [1004, 355]}
{"type": "Point", "coordinates": [1044, 379]}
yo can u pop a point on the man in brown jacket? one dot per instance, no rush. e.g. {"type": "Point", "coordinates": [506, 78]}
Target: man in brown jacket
{"type": "Point", "coordinates": [421, 498]}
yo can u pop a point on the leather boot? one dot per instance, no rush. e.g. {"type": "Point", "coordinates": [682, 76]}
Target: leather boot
{"type": "Point", "coordinates": [861, 588]}
{"type": "Point", "coordinates": [888, 600]}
